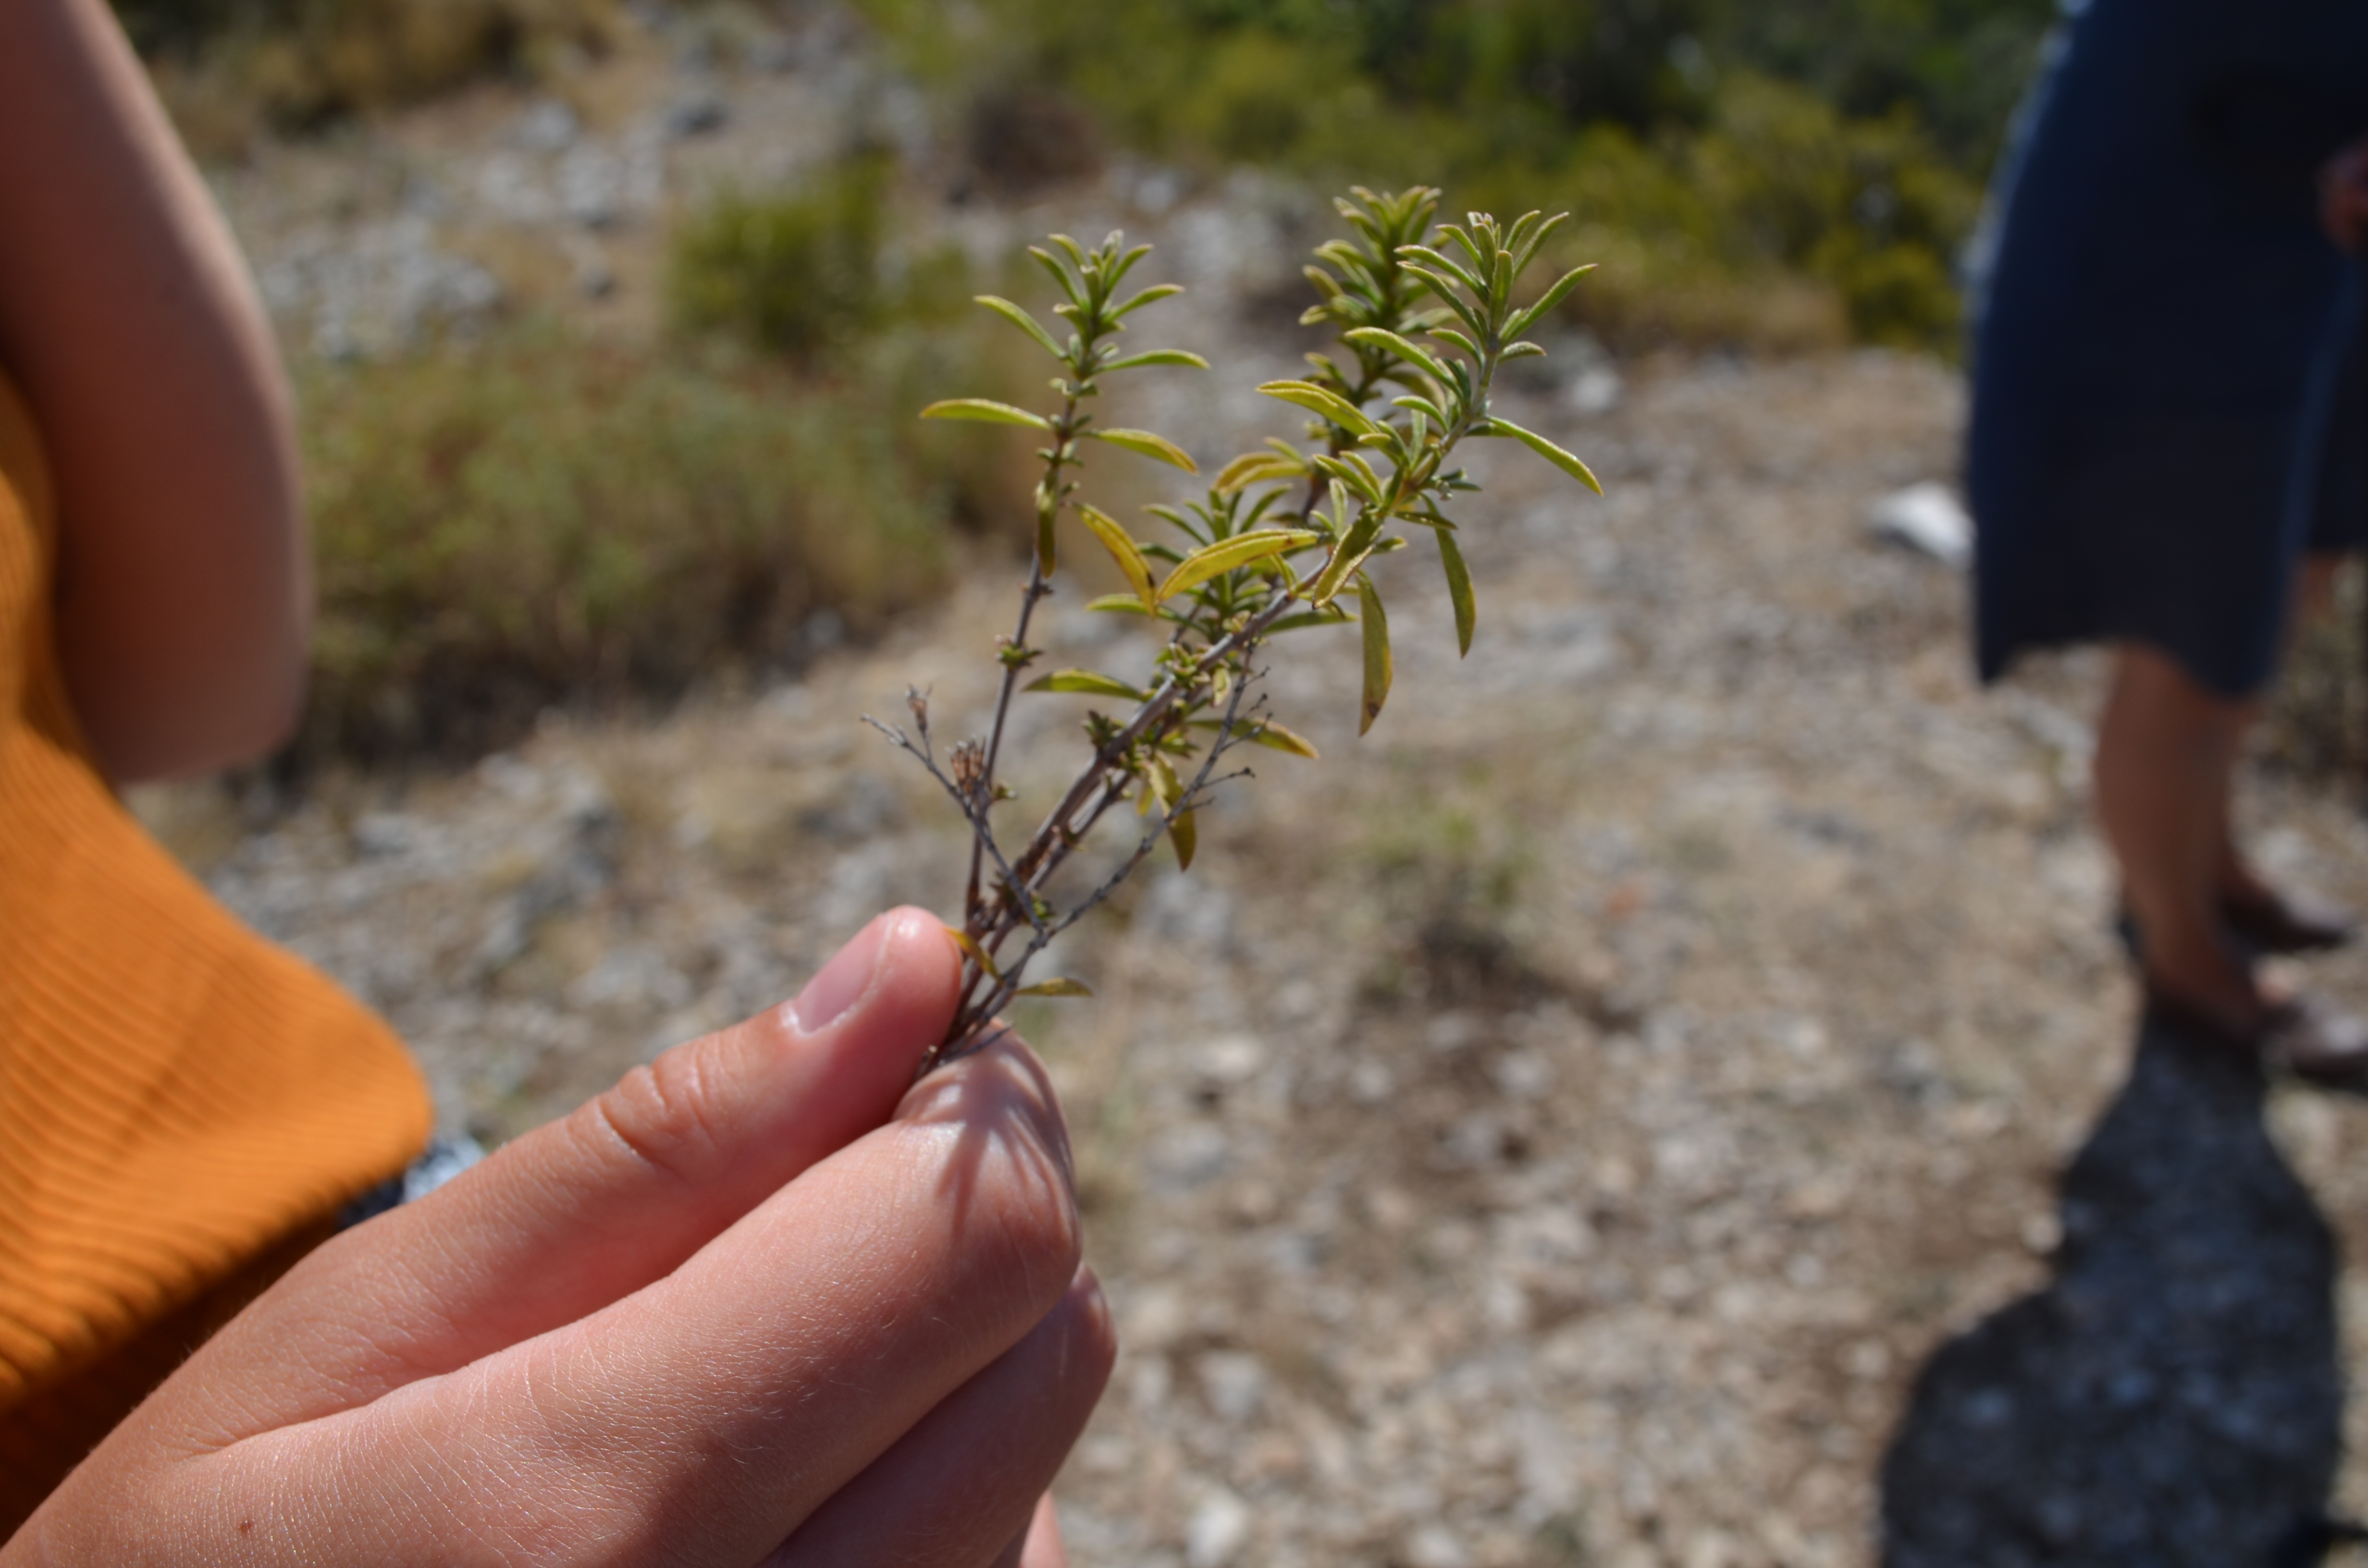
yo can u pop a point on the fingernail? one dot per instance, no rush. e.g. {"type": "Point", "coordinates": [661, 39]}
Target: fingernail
{"type": "Point", "coordinates": [841, 982]}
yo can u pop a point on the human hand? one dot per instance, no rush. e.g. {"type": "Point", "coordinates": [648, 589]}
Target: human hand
{"type": "Point", "coordinates": [761, 1302]}
{"type": "Point", "coordinates": [2343, 197]}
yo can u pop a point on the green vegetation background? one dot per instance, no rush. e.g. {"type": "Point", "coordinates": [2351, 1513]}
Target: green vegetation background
{"type": "Point", "coordinates": [535, 517]}
{"type": "Point", "coordinates": [1712, 149]}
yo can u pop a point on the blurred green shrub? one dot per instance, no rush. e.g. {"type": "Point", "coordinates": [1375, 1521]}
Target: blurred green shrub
{"type": "Point", "coordinates": [227, 67]}
{"type": "Point", "coordinates": [793, 274]}
{"type": "Point", "coordinates": [1020, 142]}
{"type": "Point", "coordinates": [535, 518]}
{"type": "Point", "coordinates": [1866, 205]}
{"type": "Point", "coordinates": [1956, 66]}
{"type": "Point", "coordinates": [812, 277]}
{"type": "Point", "coordinates": [1739, 186]}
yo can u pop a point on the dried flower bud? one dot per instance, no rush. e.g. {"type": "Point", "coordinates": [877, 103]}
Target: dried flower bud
{"type": "Point", "coordinates": [969, 763]}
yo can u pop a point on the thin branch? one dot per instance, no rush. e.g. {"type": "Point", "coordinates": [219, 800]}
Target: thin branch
{"type": "Point", "coordinates": [904, 743]}
{"type": "Point", "coordinates": [1231, 732]}
{"type": "Point", "coordinates": [1152, 710]}
{"type": "Point", "coordinates": [981, 834]}
{"type": "Point", "coordinates": [1064, 442]}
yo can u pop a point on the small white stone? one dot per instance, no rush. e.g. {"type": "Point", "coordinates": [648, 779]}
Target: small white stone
{"type": "Point", "coordinates": [1217, 1531]}
{"type": "Point", "coordinates": [1594, 390]}
{"type": "Point", "coordinates": [1927, 518]}
{"type": "Point", "coordinates": [1435, 1546]}
{"type": "Point", "coordinates": [1451, 1032]}
{"type": "Point", "coordinates": [1234, 1383]}
{"type": "Point", "coordinates": [1523, 1075]}
{"type": "Point", "coordinates": [1232, 1058]}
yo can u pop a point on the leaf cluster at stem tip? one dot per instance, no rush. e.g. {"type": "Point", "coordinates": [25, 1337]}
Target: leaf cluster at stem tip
{"type": "Point", "coordinates": [1425, 316]}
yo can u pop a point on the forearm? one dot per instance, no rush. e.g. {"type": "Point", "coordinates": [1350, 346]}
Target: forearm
{"type": "Point", "coordinates": [127, 319]}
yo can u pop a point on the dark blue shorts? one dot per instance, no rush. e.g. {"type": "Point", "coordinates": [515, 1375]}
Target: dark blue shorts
{"type": "Point", "coordinates": [2170, 400]}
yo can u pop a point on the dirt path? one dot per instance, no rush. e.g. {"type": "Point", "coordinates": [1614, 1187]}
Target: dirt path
{"type": "Point", "coordinates": [1550, 1131]}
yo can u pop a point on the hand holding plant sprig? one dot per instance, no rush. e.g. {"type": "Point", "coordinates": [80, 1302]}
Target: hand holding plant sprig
{"type": "Point", "coordinates": [1277, 543]}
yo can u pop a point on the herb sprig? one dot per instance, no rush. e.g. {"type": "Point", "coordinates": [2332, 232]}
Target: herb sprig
{"type": "Point", "coordinates": [1279, 542]}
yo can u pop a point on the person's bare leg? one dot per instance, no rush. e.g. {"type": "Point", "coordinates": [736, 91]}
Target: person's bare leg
{"type": "Point", "coordinates": [2234, 878]}
{"type": "Point", "coordinates": [2165, 754]}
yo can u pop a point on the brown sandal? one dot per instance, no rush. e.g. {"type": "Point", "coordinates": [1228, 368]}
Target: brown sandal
{"type": "Point", "coordinates": [2304, 1035]}
{"type": "Point", "coordinates": [2291, 921]}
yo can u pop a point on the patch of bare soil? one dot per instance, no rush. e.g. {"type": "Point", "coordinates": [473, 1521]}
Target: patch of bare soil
{"type": "Point", "coordinates": [1554, 1130]}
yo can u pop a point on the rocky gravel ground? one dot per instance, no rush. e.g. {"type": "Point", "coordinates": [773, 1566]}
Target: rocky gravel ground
{"type": "Point", "coordinates": [1553, 1129]}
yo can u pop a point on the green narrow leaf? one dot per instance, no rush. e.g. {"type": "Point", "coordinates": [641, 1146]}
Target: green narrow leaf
{"type": "Point", "coordinates": [1150, 446]}
{"type": "Point", "coordinates": [1150, 295]}
{"type": "Point", "coordinates": [1225, 554]}
{"type": "Point", "coordinates": [1445, 291]}
{"type": "Point", "coordinates": [1443, 262]}
{"type": "Point", "coordinates": [1060, 274]}
{"type": "Point", "coordinates": [969, 945]}
{"type": "Point", "coordinates": [1548, 301]}
{"type": "Point", "coordinates": [1122, 549]}
{"type": "Point", "coordinates": [1449, 335]}
{"type": "Point", "coordinates": [1405, 349]}
{"type": "Point", "coordinates": [1048, 512]}
{"type": "Point", "coordinates": [1459, 588]}
{"type": "Point", "coordinates": [1181, 837]}
{"type": "Point", "coordinates": [1464, 242]}
{"type": "Point", "coordinates": [1330, 615]}
{"type": "Point", "coordinates": [1023, 320]}
{"type": "Point", "coordinates": [1529, 235]}
{"type": "Point", "coordinates": [1355, 545]}
{"type": "Point", "coordinates": [1159, 356]}
{"type": "Point", "coordinates": [1548, 450]}
{"type": "Point", "coordinates": [1267, 732]}
{"type": "Point", "coordinates": [1120, 603]}
{"type": "Point", "coordinates": [1356, 474]}
{"type": "Point", "coordinates": [1518, 237]}
{"type": "Point", "coordinates": [1090, 682]}
{"type": "Point", "coordinates": [1254, 468]}
{"type": "Point", "coordinates": [1270, 733]}
{"type": "Point", "coordinates": [1165, 787]}
{"type": "Point", "coordinates": [1317, 400]}
{"type": "Point", "coordinates": [1378, 669]}
{"type": "Point", "coordinates": [985, 409]}
{"type": "Point", "coordinates": [1177, 521]}
{"type": "Point", "coordinates": [1126, 262]}
{"type": "Point", "coordinates": [1056, 988]}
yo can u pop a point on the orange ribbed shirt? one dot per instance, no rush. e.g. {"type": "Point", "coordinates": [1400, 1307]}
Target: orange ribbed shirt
{"type": "Point", "coordinates": [178, 1098]}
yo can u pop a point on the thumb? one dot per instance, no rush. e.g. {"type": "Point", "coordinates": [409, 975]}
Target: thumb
{"type": "Point", "coordinates": [588, 1209]}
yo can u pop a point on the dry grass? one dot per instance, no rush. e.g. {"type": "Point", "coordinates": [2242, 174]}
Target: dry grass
{"type": "Point", "coordinates": [538, 518]}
